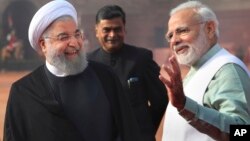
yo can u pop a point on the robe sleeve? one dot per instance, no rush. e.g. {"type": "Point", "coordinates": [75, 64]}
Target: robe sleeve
{"type": "Point", "coordinates": [33, 114]}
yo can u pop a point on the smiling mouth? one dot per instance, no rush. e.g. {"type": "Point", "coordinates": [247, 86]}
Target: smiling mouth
{"type": "Point", "coordinates": [72, 53]}
{"type": "Point", "coordinates": [112, 41]}
{"type": "Point", "coordinates": [181, 50]}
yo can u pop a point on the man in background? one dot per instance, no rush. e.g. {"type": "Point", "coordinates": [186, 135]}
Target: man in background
{"type": "Point", "coordinates": [135, 68]}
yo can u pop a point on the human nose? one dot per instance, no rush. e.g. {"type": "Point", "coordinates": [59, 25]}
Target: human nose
{"type": "Point", "coordinates": [174, 37]}
{"type": "Point", "coordinates": [74, 40]}
{"type": "Point", "coordinates": [112, 33]}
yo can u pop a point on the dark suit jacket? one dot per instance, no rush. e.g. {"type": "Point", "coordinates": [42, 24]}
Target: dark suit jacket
{"type": "Point", "coordinates": [35, 114]}
{"type": "Point", "coordinates": [138, 74]}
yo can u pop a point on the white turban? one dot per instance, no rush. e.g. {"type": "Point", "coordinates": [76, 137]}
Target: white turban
{"type": "Point", "coordinates": [45, 16]}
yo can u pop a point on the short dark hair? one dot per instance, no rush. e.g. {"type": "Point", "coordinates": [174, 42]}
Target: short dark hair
{"type": "Point", "coordinates": [110, 12]}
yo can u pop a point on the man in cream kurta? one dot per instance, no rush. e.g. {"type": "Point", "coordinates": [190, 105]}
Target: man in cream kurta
{"type": "Point", "coordinates": [215, 92]}
{"type": "Point", "coordinates": [177, 127]}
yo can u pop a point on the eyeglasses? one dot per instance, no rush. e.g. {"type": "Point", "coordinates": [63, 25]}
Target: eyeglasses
{"type": "Point", "coordinates": [180, 31]}
{"type": "Point", "coordinates": [64, 37]}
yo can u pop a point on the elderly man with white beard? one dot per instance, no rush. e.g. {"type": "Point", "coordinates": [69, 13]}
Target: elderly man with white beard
{"type": "Point", "coordinates": [215, 93]}
{"type": "Point", "coordinates": [67, 98]}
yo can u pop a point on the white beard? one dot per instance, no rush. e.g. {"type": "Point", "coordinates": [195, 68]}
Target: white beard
{"type": "Point", "coordinates": [195, 50]}
{"type": "Point", "coordinates": [69, 67]}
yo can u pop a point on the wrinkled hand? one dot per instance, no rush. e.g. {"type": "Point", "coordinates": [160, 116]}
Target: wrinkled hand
{"type": "Point", "coordinates": [173, 82]}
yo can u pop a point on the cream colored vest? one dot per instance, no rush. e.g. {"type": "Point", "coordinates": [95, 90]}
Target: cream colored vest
{"type": "Point", "coordinates": [176, 128]}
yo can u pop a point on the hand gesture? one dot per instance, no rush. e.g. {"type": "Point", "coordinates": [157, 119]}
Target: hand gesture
{"type": "Point", "coordinates": [171, 76]}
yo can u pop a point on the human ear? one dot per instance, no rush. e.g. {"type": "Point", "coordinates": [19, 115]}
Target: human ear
{"type": "Point", "coordinates": [42, 45]}
{"type": "Point", "coordinates": [210, 28]}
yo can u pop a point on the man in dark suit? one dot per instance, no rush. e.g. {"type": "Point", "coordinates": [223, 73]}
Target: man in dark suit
{"type": "Point", "coordinates": [135, 68]}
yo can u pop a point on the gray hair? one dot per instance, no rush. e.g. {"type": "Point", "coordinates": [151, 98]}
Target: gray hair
{"type": "Point", "coordinates": [205, 13]}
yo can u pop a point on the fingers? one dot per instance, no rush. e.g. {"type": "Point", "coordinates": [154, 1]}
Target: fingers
{"type": "Point", "coordinates": [171, 74]}
{"type": "Point", "coordinates": [171, 77]}
{"type": "Point", "coordinates": [175, 66]}
{"type": "Point", "coordinates": [164, 80]}
{"type": "Point", "coordinates": [165, 75]}
{"type": "Point", "coordinates": [174, 63]}
{"type": "Point", "coordinates": [168, 69]}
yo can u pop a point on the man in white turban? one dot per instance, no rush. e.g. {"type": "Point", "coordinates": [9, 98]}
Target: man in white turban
{"type": "Point", "coordinates": [67, 98]}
